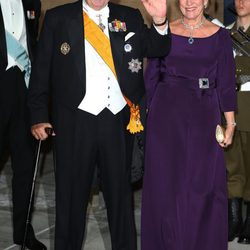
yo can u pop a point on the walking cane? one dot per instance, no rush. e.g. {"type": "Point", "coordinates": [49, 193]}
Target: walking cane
{"type": "Point", "coordinates": [49, 132]}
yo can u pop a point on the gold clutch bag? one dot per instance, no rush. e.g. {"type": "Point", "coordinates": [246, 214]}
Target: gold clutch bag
{"type": "Point", "coordinates": [219, 133]}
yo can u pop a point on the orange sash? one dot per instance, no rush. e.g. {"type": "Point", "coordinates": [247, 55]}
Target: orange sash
{"type": "Point", "coordinates": [100, 42]}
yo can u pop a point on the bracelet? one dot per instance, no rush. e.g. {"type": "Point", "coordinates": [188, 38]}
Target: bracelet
{"type": "Point", "coordinates": [160, 24]}
{"type": "Point", "coordinates": [232, 123]}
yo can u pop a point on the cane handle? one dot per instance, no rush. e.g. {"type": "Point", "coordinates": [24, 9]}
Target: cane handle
{"type": "Point", "coordinates": [49, 131]}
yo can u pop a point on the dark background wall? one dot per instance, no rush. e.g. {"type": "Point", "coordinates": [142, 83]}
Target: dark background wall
{"type": "Point", "coordinates": [215, 8]}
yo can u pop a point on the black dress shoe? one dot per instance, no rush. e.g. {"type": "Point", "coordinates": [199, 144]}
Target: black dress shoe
{"type": "Point", "coordinates": [34, 244]}
{"type": "Point", "coordinates": [31, 242]}
{"type": "Point", "coordinates": [244, 237]}
{"type": "Point", "coordinates": [234, 218]}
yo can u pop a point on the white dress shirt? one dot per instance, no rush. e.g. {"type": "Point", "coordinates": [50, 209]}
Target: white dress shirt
{"type": "Point", "coordinates": [102, 88]}
{"type": "Point", "coordinates": [14, 23]}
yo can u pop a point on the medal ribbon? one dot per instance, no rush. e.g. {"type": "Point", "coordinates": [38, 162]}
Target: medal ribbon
{"type": "Point", "coordinates": [100, 42]}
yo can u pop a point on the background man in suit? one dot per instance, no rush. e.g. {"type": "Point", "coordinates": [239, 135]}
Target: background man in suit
{"type": "Point", "coordinates": [18, 33]}
{"type": "Point", "coordinates": [238, 155]}
{"type": "Point", "coordinates": [89, 57]}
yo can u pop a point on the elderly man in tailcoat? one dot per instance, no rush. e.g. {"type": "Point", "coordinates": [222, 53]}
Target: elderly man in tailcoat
{"type": "Point", "coordinates": [89, 64]}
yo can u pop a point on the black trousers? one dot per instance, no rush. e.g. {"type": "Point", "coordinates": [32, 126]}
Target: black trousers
{"type": "Point", "coordinates": [15, 130]}
{"type": "Point", "coordinates": [83, 139]}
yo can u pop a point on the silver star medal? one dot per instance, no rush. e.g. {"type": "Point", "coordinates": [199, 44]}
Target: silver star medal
{"type": "Point", "coordinates": [135, 65]}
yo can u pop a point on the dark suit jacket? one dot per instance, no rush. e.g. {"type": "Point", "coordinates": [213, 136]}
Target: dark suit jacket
{"type": "Point", "coordinates": [31, 28]}
{"type": "Point", "coordinates": [64, 75]}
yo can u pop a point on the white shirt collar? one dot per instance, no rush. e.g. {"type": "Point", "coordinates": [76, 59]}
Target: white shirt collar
{"type": "Point", "coordinates": [104, 12]}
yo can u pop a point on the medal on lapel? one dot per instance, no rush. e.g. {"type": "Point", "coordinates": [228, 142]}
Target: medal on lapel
{"type": "Point", "coordinates": [135, 65]}
{"type": "Point", "coordinates": [117, 26]}
{"type": "Point", "coordinates": [65, 48]}
{"type": "Point", "coordinates": [127, 47]}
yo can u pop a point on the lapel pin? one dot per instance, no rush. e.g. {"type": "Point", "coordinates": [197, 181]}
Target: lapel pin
{"type": "Point", "coordinates": [135, 65]}
{"type": "Point", "coordinates": [65, 48]}
{"type": "Point", "coordinates": [127, 47]}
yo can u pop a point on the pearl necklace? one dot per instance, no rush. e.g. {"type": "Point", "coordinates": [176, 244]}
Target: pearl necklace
{"type": "Point", "coordinates": [192, 28]}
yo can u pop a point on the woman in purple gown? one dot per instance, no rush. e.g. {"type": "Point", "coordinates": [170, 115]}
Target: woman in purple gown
{"type": "Point", "coordinates": [184, 204]}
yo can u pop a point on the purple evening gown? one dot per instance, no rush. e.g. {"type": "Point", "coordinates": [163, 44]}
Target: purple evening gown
{"type": "Point", "coordinates": [184, 203]}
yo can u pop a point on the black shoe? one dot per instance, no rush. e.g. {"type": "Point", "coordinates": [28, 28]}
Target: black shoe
{"type": "Point", "coordinates": [234, 218]}
{"type": "Point", "coordinates": [34, 244]}
{"type": "Point", "coordinates": [31, 242]}
{"type": "Point", "coordinates": [244, 237]}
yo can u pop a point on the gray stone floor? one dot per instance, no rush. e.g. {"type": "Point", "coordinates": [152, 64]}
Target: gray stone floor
{"type": "Point", "coordinates": [97, 237]}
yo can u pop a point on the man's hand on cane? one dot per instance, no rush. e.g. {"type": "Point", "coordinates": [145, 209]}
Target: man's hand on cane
{"type": "Point", "coordinates": [41, 131]}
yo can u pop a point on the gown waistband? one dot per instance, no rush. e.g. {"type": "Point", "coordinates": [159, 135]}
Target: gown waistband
{"type": "Point", "coordinates": [202, 86]}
